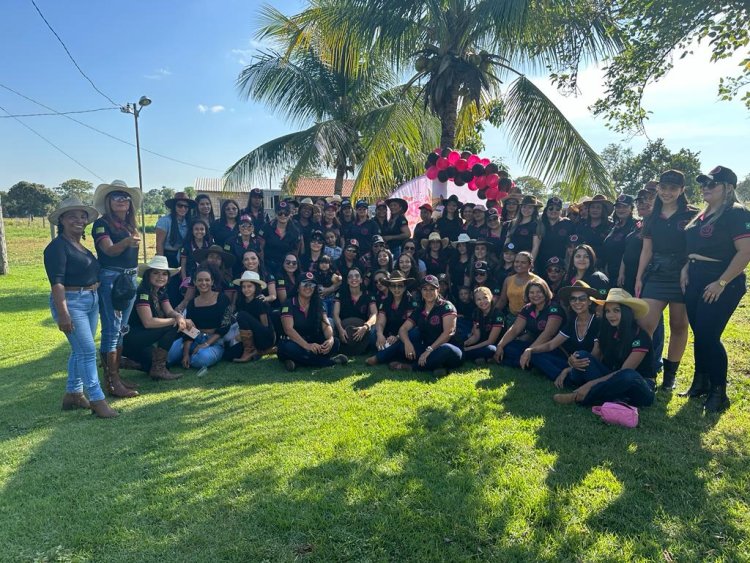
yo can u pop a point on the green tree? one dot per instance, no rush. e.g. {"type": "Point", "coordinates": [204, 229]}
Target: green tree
{"type": "Point", "coordinates": [81, 189]}
{"type": "Point", "coordinates": [464, 51]}
{"type": "Point", "coordinates": [353, 121]}
{"type": "Point", "coordinates": [656, 33]}
{"type": "Point", "coordinates": [532, 186]}
{"type": "Point", "coordinates": [190, 191]}
{"type": "Point", "coordinates": [743, 190]}
{"type": "Point", "coordinates": [153, 200]}
{"type": "Point", "coordinates": [28, 199]}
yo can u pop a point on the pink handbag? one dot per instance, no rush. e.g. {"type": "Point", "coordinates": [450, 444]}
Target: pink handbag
{"type": "Point", "coordinates": [617, 413]}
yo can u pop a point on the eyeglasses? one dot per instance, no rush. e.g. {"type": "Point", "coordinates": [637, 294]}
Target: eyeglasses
{"type": "Point", "coordinates": [246, 226]}
{"type": "Point", "coordinates": [282, 214]}
{"type": "Point", "coordinates": [290, 262]}
{"type": "Point", "coordinates": [180, 205]}
{"type": "Point", "coordinates": [120, 197]}
{"type": "Point", "coordinates": [397, 286]}
{"type": "Point", "coordinates": [352, 250]}
{"type": "Point", "coordinates": [579, 299]}
{"type": "Point", "coordinates": [554, 270]}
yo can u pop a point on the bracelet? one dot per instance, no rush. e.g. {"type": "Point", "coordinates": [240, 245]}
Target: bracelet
{"type": "Point", "coordinates": [428, 349]}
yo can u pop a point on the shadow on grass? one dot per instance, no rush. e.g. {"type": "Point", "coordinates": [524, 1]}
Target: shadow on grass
{"type": "Point", "coordinates": [18, 301]}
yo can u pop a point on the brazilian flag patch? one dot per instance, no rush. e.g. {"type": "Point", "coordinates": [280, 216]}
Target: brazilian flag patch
{"type": "Point", "coordinates": [143, 296]}
{"type": "Point", "coordinates": [636, 343]}
{"type": "Point", "coordinates": [99, 230]}
{"type": "Point", "coordinates": [285, 309]}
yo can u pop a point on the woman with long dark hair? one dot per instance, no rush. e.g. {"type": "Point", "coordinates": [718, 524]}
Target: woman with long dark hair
{"type": "Point", "coordinates": [288, 279]}
{"type": "Point", "coordinates": [227, 224]}
{"type": "Point", "coordinates": [554, 231]}
{"type": "Point", "coordinates": [460, 262]}
{"type": "Point", "coordinates": [346, 219]}
{"type": "Point", "coordinates": [583, 267]}
{"type": "Point", "coordinates": [255, 209]}
{"type": "Point", "coordinates": [279, 238]}
{"type": "Point", "coordinates": [253, 319]}
{"type": "Point", "coordinates": [203, 210]}
{"type": "Point", "coordinates": [596, 226]}
{"type": "Point", "coordinates": [662, 258]}
{"type": "Point", "coordinates": [392, 313]}
{"type": "Point", "coordinates": [197, 239]}
{"type": "Point", "coordinates": [450, 225]}
{"type": "Point", "coordinates": [172, 229]}
{"type": "Point", "coordinates": [718, 247]}
{"type": "Point", "coordinates": [251, 262]}
{"type": "Point", "coordinates": [613, 247]}
{"type": "Point", "coordinates": [523, 230]}
{"type": "Point", "coordinates": [434, 255]}
{"type": "Point", "coordinates": [354, 314]}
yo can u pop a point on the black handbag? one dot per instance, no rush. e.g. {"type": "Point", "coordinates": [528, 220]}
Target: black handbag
{"type": "Point", "coordinates": [123, 291]}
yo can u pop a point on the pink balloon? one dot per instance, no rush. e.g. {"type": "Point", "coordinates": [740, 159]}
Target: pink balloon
{"type": "Point", "coordinates": [481, 181]}
{"type": "Point", "coordinates": [501, 195]}
{"type": "Point", "coordinates": [485, 161]}
{"type": "Point", "coordinates": [453, 157]}
{"type": "Point", "coordinates": [472, 160]}
{"type": "Point", "coordinates": [442, 163]}
{"type": "Point", "coordinates": [492, 192]}
{"type": "Point", "coordinates": [492, 180]}
{"type": "Point", "coordinates": [461, 165]}
{"type": "Point", "coordinates": [431, 172]}
{"type": "Point", "coordinates": [473, 186]}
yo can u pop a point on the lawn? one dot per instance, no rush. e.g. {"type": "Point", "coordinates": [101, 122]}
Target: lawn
{"type": "Point", "coordinates": [251, 463]}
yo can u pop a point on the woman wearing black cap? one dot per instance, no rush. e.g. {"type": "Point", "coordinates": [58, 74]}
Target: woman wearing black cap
{"type": "Point", "coordinates": [522, 231]}
{"type": "Point", "coordinates": [554, 274]}
{"type": "Point", "coordinates": [597, 225]}
{"type": "Point", "coordinates": [278, 238]}
{"type": "Point", "coordinates": [226, 225]}
{"type": "Point", "coordinates": [614, 244]}
{"type": "Point", "coordinates": [662, 258]}
{"type": "Point", "coordinates": [363, 228]}
{"type": "Point", "coordinates": [450, 224]}
{"type": "Point", "coordinates": [396, 229]}
{"type": "Point", "coordinates": [554, 231]}
{"type": "Point", "coordinates": [644, 205]}
{"type": "Point", "coordinates": [255, 208]}
{"type": "Point", "coordinates": [307, 337]}
{"type": "Point", "coordinates": [718, 247]}
{"type": "Point", "coordinates": [432, 346]}
{"type": "Point", "coordinates": [346, 219]}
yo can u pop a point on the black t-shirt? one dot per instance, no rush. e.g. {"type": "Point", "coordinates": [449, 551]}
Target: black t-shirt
{"type": "Point", "coordinates": [221, 232]}
{"type": "Point", "coordinates": [188, 251]}
{"type": "Point", "coordinates": [217, 316]}
{"type": "Point", "coordinates": [593, 236]}
{"type": "Point", "coordinates": [436, 266]}
{"type": "Point", "coordinates": [536, 321]}
{"type": "Point", "coordinates": [394, 315]}
{"type": "Point", "coordinates": [258, 218]}
{"type": "Point", "coordinates": [573, 343]}
{"type": "Point", "coordinates": [430, 324]}
{"type": "Point", "coordinates": [450, 228]}
{"type": "Point", "coordinates": [632, 256]}
{"type": "Point", "coordinates": [277, 247]}
{"type": "Point", "coordinates": [67, 265]}
{"type": "Point", "coordinates": [716, 240]}
{"type": "Point", "coordinates": [236, 246]}
{"type": "Point", "coordinates": [477, 232]}
{"type": "Point", "coordinates": [458, 271]}
{"type": "Point", "coordinates": [358, 308]}
{"type": "Point", "coordinates": [668, 234]}
{"type": "Point", "coordinates": [614, 248]}
{"type": "Point", "coordinates": [254, 308]}
{"type": "Point", "coordinates": [116, 232]}
{"type": "Point", "coordinates": [485, 323]}
{"type": "Point", "coordinates": [555, 241]}
{"type": "Point", "coordinates": [392, 228]}
{"type": "Point", "coordinates": [143, 298]}
{"type": "Point", "coordinates": [523, 236]}
{"type": "Point", "coordinates": [641, 343]}
{"type": "Point", "coordinates": [288, 283]}
{"type": "Point", "coordinates": [465, 309]}
{"type": "Point", "coordinates": [364, 232]}
{"type": "Point", "coordinates": [309, 326]}
{"type": "Point", "coordinates": [422, 230]}
{"type": "Point", "coordinates": [596, 280]}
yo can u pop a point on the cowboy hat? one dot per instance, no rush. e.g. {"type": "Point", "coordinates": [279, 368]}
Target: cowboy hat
{"type": "Point", "coordinates": [306, 201]}
{"type": "Point", "coordinates": [463, 238]}
{"type": "Point", "coordinates": [156, 263]}
{"type": "Point", "coordinates": [609, 207]}
{"type": "Point", "coordinates": [400, 201]}
{"type": "Point", "coordinates": [251, 277]}
{"type": "Point", "coordinates": [531, 200]}
{"type": "Point", "coordinates": [453, 198]}
{"type": "Point", "coordinates": [564, 293]}
{"type": "Point", "coordinates": [515, 195]}
{"type": "Point", "coordinates": [180, 196]}
{"type": "Point", "coordinates": [103, 190]}
{"type": "Point", "coordinates": [434, 236]}
{"type": "Point", "coordinates": [226, 258]}
{"type": "Point", "coordinates": [334, 199]}
{"type": "Point", "coordinates": [73, 204]}
{"type": "Point", "coordinates": [619, 295]}
{"type": "Point", "coordinates": [398, 277]}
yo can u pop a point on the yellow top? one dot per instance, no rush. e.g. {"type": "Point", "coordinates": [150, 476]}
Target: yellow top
{"type": "Point", "coordinates": [516, 292]}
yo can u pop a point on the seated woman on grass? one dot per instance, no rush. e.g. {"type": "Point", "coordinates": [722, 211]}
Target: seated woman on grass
{"type": "Point", "coordinates": [392, 313]}
{"type": "Point", "coordinates": [253, 317]}
{"type": "Point", "coordinates": [486, 329]}
{"type": "Point", "coordinates": [557, 357]}
{"type": "Point", "coordinates": [538, 321]}
{"type": "Point", "coordinates": [620, 367]}
{"type": "Point", "coordinates": [354, 314]}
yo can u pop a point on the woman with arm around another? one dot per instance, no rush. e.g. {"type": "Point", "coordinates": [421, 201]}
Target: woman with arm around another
{"type": "Point", "coordinates": [73, 271]}
{"type": "Point", "coordinates": [254, 319]}
{"type": "Point", "coordinates": [718, 247]}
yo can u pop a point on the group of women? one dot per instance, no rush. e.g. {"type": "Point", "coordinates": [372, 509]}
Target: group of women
{"type": "Point", "coordinates": [577, 294]}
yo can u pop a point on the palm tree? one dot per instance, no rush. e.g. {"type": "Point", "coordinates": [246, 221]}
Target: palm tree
{"type": "Point", "coordinates": [361, 121]}
{"type": "Point", "coordinates": [464, 51]}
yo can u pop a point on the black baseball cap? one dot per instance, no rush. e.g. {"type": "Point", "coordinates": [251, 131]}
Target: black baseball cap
{"type": "Point", "coordinates": [674, 177]}
{"type": "Point", "coordinates": [718, 174]}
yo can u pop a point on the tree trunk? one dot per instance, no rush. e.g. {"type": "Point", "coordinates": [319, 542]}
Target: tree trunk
{"type": "Point", "coordinates": [3, 248]}
{"type": "Point", "coordinates": [448, 117]}
{"type": "Point", "coordinates": [338, 186]}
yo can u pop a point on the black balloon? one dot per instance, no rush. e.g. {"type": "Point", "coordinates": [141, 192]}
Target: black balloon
{"type": "Point", "coordinates": [443, 175]}
{"type": "Point", "coordinates": [491, 168]}
{"type": "Point", "coordinates": [482, 194]}
{"type": "Point", "coordinates": [445, 152]}
{"type": "Point", "coordinates": [477, 170]}
{"type": "Point", "coordinates": [466, 176]}
{"type": "Point", "coordinates": [451, 171]}
{"type": "Point", "coordinates": [459, 181]}
{"type": "Point", "coordinates": [465, 154]}
{"type": "Point", "coordinates": [432, 159]}
{"type": "Point", "coordinates": [505, 184]}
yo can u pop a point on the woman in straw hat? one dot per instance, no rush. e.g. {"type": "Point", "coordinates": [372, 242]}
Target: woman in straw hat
{"type": "Point", "coordinates": [434, 255]}
{"type": "Point", "coordinates": [556, 358]}
{"type": "Point", "coordinates": [621, 366]}
{"type": "Point", "coordinates": [73, 272]}
{"type": "Point", "coordinates": [392, 312]}
{"type": "Point", "coordinates": [117, 242]}
{"type": "Point", "coordinates": [254, 319]}
{"type": "Point", "coordinates": [155, 325]}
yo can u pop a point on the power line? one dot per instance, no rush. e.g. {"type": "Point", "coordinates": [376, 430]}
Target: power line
{"type": "Point", "coordinates": [105, 133]}
{"type": "Point", "coordinates": [71, 56]}
{"type": "Point", "coordinates": [55, 113]}
{"type": "Point", "coordinates": [53, 144]}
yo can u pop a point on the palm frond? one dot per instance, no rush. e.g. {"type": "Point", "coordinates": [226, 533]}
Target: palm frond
{"type": "Point", "coordinates": [547, 142]}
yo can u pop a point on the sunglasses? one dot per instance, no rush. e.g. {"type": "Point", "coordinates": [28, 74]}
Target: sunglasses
{"type": "Point", "coordinates": [397, 286]}
{"type": "Point", "coordinates": [290, 262]}
{"type": "Point", "coordinates": [180, 205]}
{"type": "Point", "coordinates": [246, 226]}
{"type": "Point", "coordinates": [554, 208]}
{"type": "Point", "coordinates": [120, 197]}
{"type": "Point", "coordinates": [282, 214]}
{"type": "Point", "coordinates": [352, 250]}
{"type": "Point", "coordinates": [712, 185]}
{"type": "Point", "coordinates": [478, 273]}
{"type": "Point", "coordinates": [579, 299]}
{"type": "Point", "coordinates": [554, 270]}
{"type": "Point", "coordinates": [307, 284]}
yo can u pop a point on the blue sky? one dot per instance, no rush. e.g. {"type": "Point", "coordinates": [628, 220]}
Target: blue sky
{"type": "Point", "coordinates": [186, 55]}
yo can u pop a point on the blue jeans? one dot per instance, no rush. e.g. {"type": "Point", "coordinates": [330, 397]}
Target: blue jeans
{"type": "Point", "coordinates": [483, 353]}
{"type": "Point", "coordinates": [550, 363]}
{"type": "Point", "coordinates": [84, 313]}
{"type": "Point", "coordinates": [290, 350]}
{"type": "Point", "coordinates": [114, 323]}
{"type": "Point", "coordinates": [446, 355]}
{"type": "Point", "coordinates": [626, 385]}
{"type": "Point", "coordinates": [203, 358]}
{"type": "Point", "coordinates": [513, 351]}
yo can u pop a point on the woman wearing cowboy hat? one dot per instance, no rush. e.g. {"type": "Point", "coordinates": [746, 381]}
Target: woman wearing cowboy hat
{"type": "Point", "coordinates": [396, 229]}
{"type": "Point", "coordinates": [392, 313]}
{"type": "Point", "coordinates": [254, 319]}
{"type": "Point", "coordinates": [434, 255]}
{"type": "Point", "coordinates": [450, 224]}
{"type": "Point", "coordinates": [116, 240]}
{"type": "Point", "coordinates": [556, 358]}
{"type": "Point", "coordinates": [73, 272]}
{"type": "Point", "coordinates": [155, 324]}
{"type": "Point", "coordinates": [621, 366]}
{"type": "Point", "coordinates": [523, 230]}
{"type": "Point", "coordinates": [171, 233]}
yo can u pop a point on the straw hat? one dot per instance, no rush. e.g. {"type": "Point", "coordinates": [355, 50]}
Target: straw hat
{"type": "Point", "coordinates": [463, 238]}
{"type": "Point", "coordinates": [73, 204]}
{"type": "Point", "coordinates": [103, 190]}
{"type": "Point", "coordinates": [226, 257]}
{"type": "Point", "coordinates": [156, 263]}
{"type": "Point", "coordinates": [619, 295]}
{"type": "Point", "coordinates": [564, 293]}
{"type": "Point", "coordinates": [434, 236]}
{"type": "Point", "coordinates": [251, 277]}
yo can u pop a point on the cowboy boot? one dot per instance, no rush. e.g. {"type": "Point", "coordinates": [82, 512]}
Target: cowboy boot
{"type": "Point", "coordinates": [102, 410]}
{"type": "Point", "coordinates": [159, 366]}
{"type": "Point", "coordinates": [249, 351]}
{"type": "Point", "coordinates": [121, 365]}
{"type": "Point", "coordinates": [670, 375]}
{"type": "Point", "coordinates": [717, 400]}
{"type": "Point", "coordinates": [112, 383]}
{"type": "Point", "coordinates": [72, 401]}
{"type": "Point", "coordinates": [699, 387]}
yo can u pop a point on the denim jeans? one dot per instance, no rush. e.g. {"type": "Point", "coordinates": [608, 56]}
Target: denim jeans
{"type": "Point", "coordinates": [626, 385]}
{"type": "Point", "coordinates": [550, 363]}
{"type": "Point", "coordinates": [203, 358]}
{"type": "Point", "coordinates": [446, 355]}
{"type": "Point", "coordinates": [290, 350]}
{"type": "Point", "coordinates": [114, 323]}
{"type": "Point", "coordinates": [484, 353]}
{"type": "Point", "coordinates": [84, 314]}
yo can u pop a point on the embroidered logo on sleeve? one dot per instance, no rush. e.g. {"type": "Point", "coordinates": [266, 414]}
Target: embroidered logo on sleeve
{"type": "Point", "coordinates": [100, 230]}
{"type": "Point", "coordinates": [143, 296]}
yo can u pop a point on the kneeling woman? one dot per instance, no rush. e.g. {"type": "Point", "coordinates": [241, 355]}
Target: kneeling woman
{"type": "Point", "coordinates": [557, 357]}
{"type": "Point", "coordinates": [155, 322]}
{"type": "Point", "coordinates": [211, 313]}
{"type": "Point", "coordinates": [308, 336]}
{"type": "Point", "coordinates": [431, 346]}
{"type": "Point", "coordinates": [621, 366]}
{"type": "Point", "coordinates": [354, 314]}
{"type": "Point", "coordinates": [486, 328]}
{"type": "Point", "coordinates": [253, 317]}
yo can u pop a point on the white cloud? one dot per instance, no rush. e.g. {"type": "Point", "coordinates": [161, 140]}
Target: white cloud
{"type": "Point", "coordinates": [217, 109]}
{"type": "Point", "coordinates": [202, 108]}
{"type": "Point", "coordinates": [244, 56]}
{"type": "Point", "coordinates": [158, 74]}
{"type": "Point", "coordinates": [212, 109]}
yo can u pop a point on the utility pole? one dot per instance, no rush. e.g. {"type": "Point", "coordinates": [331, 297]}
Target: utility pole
{"type": "Point", "coordinates": [3, 248]}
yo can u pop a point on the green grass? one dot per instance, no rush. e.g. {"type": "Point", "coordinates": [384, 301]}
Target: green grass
{"type": "Point", "coordinates": [251, 463]}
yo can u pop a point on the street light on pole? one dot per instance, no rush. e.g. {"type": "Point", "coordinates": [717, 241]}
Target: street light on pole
{"type": "Point", "coordinates": [135, 109]}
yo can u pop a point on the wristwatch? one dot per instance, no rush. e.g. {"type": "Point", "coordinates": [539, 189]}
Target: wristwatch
{"type": "Point", "coordinates": [723, 283]}
{"type": "Point", "coordinates": [428, 349]}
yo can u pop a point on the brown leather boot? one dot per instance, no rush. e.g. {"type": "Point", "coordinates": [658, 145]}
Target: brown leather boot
{"type": "Point", "coordinates": [72, 401]}
{"type": "Point", "coordinates": [125, 382]}
{"type": "Point", "coordinates": [249, 351]}
{"type": "Point", "coordinates": [102, 410]}
{"type": "Point", "coordinates": [112, 383]}
{"type": "Point", "coordinates": [159, 366]}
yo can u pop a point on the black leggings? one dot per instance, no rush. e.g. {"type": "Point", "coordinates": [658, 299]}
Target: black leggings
{"type": "Point", "coordinates": [263, 336]}
{"type": "Point", "coordinates": [138, 343]}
